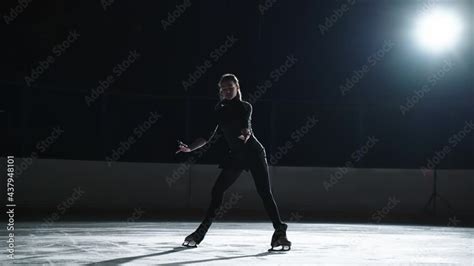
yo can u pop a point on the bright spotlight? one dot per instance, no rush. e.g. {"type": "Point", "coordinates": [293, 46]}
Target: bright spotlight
{"type": "Point", "coordinates": [438, 30]}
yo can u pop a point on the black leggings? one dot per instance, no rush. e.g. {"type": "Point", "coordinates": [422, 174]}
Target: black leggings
{"type": "Point", "coordinates": [228, 175]}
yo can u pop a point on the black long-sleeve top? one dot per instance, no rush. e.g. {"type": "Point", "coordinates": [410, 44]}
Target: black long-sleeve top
{"type": "Point", "coordinates": [233, 117]}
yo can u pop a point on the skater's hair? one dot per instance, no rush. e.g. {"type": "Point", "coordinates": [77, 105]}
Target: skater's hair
{"type": "Point", "coordinates": [233, 78]}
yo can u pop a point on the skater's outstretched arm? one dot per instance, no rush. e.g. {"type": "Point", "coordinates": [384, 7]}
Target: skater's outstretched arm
{"type": "Point", "coordinates": [198, 143]}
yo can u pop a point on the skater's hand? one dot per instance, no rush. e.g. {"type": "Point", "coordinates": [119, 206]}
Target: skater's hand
{"type": "Point", "coordinates": [182, 147]}
{"type": "Point", "coordinates": [245, 135]}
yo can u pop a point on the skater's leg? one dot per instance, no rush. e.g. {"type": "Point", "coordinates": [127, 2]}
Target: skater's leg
{"type": "Point", "coordinates": [225, 179]}
{"type": "Point", "coordinates": [261, 178]}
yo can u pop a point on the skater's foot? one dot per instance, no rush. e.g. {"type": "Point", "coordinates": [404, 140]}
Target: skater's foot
{"type": "Point", "coordinates": [194, 239]}
{"type": "Point", "coordinates": [189, 244]}
{"type": "Point", "coordinates": [279, 240]}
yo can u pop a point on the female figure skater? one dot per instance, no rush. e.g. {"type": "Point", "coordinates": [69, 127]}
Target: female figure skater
{"type": "Point", "coordinates": [246, 153]}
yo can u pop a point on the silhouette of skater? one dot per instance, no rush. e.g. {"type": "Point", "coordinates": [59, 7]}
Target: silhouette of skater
{"type": "Point", "coordinates": [246, 153]}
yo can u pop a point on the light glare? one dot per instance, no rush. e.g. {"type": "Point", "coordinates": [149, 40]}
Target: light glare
{"type": "Point", "coordinates": [438, 30]}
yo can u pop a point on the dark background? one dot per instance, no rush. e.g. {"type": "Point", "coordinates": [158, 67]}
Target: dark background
{"type": "Point", "coordinates": [310, 87]}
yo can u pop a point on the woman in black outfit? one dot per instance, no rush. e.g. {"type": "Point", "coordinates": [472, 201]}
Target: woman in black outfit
{"type": "Point", "coordinates": [246, 153]}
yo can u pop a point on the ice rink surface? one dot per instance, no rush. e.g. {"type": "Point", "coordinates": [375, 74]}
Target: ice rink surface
{"type": "Point", "coordinates": [238, 243]}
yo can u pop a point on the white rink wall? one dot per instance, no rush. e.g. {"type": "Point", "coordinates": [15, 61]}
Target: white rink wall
{"type": "Point", "coordinates": [124, 185]}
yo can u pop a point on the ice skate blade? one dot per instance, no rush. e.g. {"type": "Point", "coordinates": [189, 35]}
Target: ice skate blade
{"type": "Point", "coordinates": [280, 248]}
